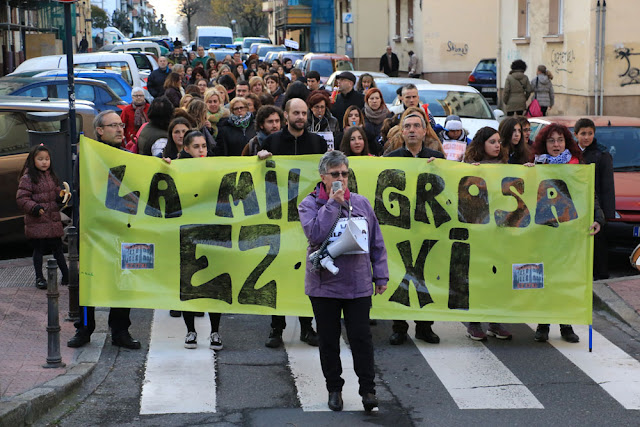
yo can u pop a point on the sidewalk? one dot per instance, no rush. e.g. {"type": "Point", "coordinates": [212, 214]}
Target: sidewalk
{"type": "Point", "coordinates": [27, 390]}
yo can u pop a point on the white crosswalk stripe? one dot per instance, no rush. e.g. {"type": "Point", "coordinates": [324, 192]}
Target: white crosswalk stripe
{"type": "Point", "coordinates": [178, 380]}
{"type": "Point", "coordinates": [610, 367]}
{"type": "Point", "coordinates": [471, 373]}
{"type": "Point", "coordinates": [304, 361]}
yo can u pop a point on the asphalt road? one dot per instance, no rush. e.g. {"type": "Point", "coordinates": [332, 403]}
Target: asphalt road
{"type": "Point", "coordinates": [255, 387]}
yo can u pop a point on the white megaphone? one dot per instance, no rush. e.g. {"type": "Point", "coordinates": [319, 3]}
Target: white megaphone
{"type": "Point", "coordinates": [352, 239]}
{"type": "Point", "coordinates": [635, 258]}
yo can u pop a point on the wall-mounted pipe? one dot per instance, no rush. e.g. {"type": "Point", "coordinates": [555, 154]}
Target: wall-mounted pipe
{"type": "Point", "coordinates": [596, 69]}
{"type": "Point", "coordinates": [602, 62]}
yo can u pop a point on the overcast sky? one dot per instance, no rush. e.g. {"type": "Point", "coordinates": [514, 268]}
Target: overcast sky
{"type": "Point", "coordinates": [168, 8]}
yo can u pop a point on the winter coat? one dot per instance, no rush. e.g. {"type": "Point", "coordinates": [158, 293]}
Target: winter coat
{"type": "Point", "coordinates": [357, 271]}
{"type": "Point", "coordinates": [395, 65]}
{"type": "Point", "coordinates": [155, 82]}
{"type": "Point", "coordinates": [174, 96]}
{"type": "Point", "coordinates": [282, 143]}
{"type": "Point", "coordinates": [517, 89]}
{"type": "Point", "coordinates": [254, 145]}
{"type": "Point", "coordinates": [543, 90]}
{"type": "Point", "coordinates": [231, 139]}
{"type": "Point", "coordinates": [326, 123]}
{"type": "Point", "coordinates": [148, 136]}
{"type": "Point", "coordinates": [605, 188]}
{"type": "Point", "coordinates": [128, 118]}
{"type": "Point", "coordinates": [345, 101]}
{"type": "Point", "coordinates": [414, 65]}
{"type": "Point", "coordinates": [425, 153]}
{"type": "Point", "coordinates": [33, 197]}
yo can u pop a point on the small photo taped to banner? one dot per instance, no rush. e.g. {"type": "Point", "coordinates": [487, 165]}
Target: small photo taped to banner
{"type": "Point", "coordinates": [528, 276]}
{"type": "Point", "coordinates": [137, 256]}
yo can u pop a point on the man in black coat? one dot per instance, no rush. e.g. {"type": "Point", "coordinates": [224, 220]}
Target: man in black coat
{"type": "Point", "coordinates": [389, 63]}
{"type": "Point", "coordinates": [155, 82]}
{"type": "Point", "coordinates": [293, 140]}
{"type": "Point", "coordinates": [347, 96]}
{"type": "Point", "coordinates": [414, 131]}
{"type": "Point", "coordinates": [109, 130]}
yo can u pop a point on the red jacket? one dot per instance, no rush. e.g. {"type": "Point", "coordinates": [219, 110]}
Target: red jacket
{"type": "Point", "coordinates": [31, 197]}
{"type": "Point", "coordinates": [127, 116]}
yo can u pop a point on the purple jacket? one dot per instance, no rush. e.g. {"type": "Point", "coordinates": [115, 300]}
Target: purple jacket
{"type": "Point", "coordinates": [31, 197]}
{"type": "Point", "coordinates": [317, 215]}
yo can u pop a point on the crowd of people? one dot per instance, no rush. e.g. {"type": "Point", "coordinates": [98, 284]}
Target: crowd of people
{"type": "Point", "coordinates": [205, 108]}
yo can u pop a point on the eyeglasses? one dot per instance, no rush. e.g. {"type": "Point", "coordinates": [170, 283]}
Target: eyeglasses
{"type": "Point", "coordinates": [319, 107]}
{"type": "Point", "coordinates": [239, 108]}
{"type": "Point", "coordinates": [140, 94]}
{"type": "Point", "coordinates": [114, 125]}
{"type": "Point", "coordinates": [553, 141]}
{"type": "Point", "coordinates": [344, 174]}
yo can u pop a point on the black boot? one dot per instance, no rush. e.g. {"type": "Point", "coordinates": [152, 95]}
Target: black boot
{"type": "Point", "coordinates": [542, 333]}
{"type": "Point", "coordinates": [124, 339]}
{"type": "Point", "coordinates": [425, 333]}
{"type": "Point", "coordinates": [41, 283]}
{"type": "Point", "coordinates": [369, 401]}
{"type": "Point", "coordinates": [275, 338]}
{"type": "Point", "coordinates": [309, 336]}
{"type": "Point", "coordinates": [566, 331]}
{"type": "Point", "coordinates": [79, 339]}
{"type": "Point", "coordinates": [335, 401]}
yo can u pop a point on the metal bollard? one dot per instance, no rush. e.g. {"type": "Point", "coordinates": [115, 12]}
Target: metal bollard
{"type": "Point", "coordinates": [74, 277]}
{"type": "Point", "coordinates": [54, 359]}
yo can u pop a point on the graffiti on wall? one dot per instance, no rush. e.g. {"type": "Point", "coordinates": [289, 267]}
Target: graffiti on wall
{"type": "Point", "coordinates": [460, 50]}
{"type": "Point", "coordinates": [562, 60]}
{"type": "Point", "coordinates": [631, 75]}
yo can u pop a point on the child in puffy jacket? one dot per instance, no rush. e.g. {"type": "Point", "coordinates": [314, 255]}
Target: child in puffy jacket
{"type": "Point", "coordinates": [39, 196]}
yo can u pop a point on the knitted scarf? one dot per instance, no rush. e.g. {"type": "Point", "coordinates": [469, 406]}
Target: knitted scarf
{"type": "Point", "coordinates": [376, 117]}
{"type": "Point", "coordinates": [562, 158]}
{"type": "Point", "coordinates": [241, 122]}
{"type": "Point", "coordinates": [139, 116]}
{"type": "Point", "coordinates": [214, 118]}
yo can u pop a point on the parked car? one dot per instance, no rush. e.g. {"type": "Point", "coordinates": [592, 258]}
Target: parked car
{"type": "Point", "coordinates": [263, 49]}
{"type": "Point", "coordinates": [621, 136]}
{"type": "Point", "coordinates": [293, 55]}
{"type": "Point", "coordinates": [165, 47]}
{"type": "Point", "coordinates": [390, 85]}
{"type": "Point", "coordinates": [14, 146]}
{"type": "Point", "coordinates": [270, 56]}
{"type": "Point", "coordinates": [325, 64]}
{"type": "Point", "coordinates": [220, 52]}
{"type": "Point", "coordinates": [91, 90]}
{"type": "Point", "coordinates": [121, 62]}
{"type": "Point", "coordinates": [146, 63]}
{"type": "Point", "coordinates": [138, 46]}
{"type": "Point", "coordinates": [248, 41]}
{"type": "Point", "coordinates": [113, 79]}
{"type": "Point", "coordinates": [331, 81]}
{"type": "Point", "coordinates": [444, 100]}
{"type": "Point", "coordinates": [483, 79]}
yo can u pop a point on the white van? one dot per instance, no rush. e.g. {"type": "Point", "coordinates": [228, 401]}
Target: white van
{"type": "Point", "coordinates": [206, 36]}
{"type": "Point", "coordinates": [123, 63]}
{"type": "Point", "coordinates": [137, 46]}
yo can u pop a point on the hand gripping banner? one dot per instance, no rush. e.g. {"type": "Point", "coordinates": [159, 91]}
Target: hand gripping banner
{"type": "Point", "coordinates": [500, 243]}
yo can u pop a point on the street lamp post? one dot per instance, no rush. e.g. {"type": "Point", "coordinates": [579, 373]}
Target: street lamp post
{"type": "Point", "coordinates": [73, 287]}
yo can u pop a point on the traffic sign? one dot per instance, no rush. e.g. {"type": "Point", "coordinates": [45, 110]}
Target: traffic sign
{"type": "Point", "coordinates": [347, 18]}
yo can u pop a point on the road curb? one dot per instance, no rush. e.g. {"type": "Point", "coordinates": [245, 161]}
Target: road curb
{"type": "Point", "coordinates": [605, 298]}
{"type": "Point", "coordinates": [26, 408]}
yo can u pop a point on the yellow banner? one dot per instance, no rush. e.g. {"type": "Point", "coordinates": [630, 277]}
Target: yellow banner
{"type": "Point", "coordinates": [502, 243]}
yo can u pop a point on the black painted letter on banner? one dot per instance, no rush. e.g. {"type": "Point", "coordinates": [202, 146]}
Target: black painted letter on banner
{"type": "Point", "coordinates": [428, 197]}
{"type": "Point", "coordinates": [292, 190]}
{"type": "Point", "coordinates": [203, 234]}
{"type": "Point", "coordinates": [241, 191]}
{"type": "Point", "coordinates": [127, 204]}
{"type": "Point", "coordinates": [459, 270]}
{"type": "Point", "coordinates": [172, 206]}
{"type": "Point", "coordinates": [554, 193]}
{"type": "Point", "coordinates": [521, 216]}
{"type": "Point", "coordinates": [252, 237]}
{"type": "Point", "coordinates": [274, 205]}
{"type": "Point", "coordinates": [394, 178]}
{"type": "Point", "coordinates": [413, 273]}
{"type": "Point", "coordinates": [473, 200]}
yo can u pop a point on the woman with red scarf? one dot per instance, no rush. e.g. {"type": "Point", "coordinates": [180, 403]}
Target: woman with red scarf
{"type": "Point", "coordinates": [134, 115]}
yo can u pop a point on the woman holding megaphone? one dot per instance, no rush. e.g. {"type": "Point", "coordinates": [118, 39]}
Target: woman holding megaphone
{"type": "Point", "coordinates": [346, 256]}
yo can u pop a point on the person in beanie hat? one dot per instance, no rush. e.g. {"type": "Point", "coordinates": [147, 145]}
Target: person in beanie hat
{"type": "Point", "coordinates": [454, 138]}
{"type": "Point", "coordinates": [347, 96]}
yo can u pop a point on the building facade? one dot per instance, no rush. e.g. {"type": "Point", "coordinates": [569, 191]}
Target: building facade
{"type": "Point", "coordinates": [564, 36]}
